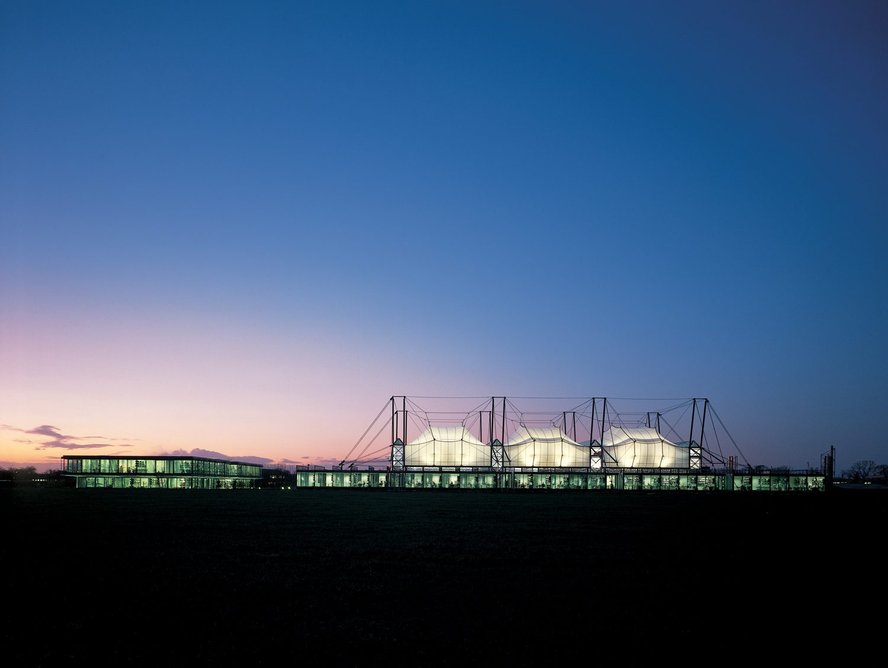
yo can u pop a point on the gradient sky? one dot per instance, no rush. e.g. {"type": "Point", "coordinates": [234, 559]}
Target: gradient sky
{"type": "Point", "coordinates": [240, 227]}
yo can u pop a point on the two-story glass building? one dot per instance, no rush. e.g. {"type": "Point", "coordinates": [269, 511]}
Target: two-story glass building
{"type": "Point", "coordinates": [160, 472]}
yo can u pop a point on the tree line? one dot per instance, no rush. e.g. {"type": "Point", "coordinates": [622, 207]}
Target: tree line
{"type": "Point", "coordinates": [28, 476]}
{"type": "Point", "coordinates": [866, 470]}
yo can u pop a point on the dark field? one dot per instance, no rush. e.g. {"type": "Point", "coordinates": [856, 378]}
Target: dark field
{"type": "Point", "coordinates": [363, 578]}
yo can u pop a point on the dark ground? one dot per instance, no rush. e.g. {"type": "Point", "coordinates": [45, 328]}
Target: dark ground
{"type": "Point", "coordinates": [419, 578]}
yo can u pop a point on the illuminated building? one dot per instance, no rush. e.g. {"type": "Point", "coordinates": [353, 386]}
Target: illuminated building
{"type": "Point", "coordinates": [160, 472]}
{"type": "Point", "coordinates": [590, 445]}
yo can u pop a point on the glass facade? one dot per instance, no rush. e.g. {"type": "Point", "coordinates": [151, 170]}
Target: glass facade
{"type": "Point", "coordinates": [160, 472]}
{"type": "Point", "coordinates": [202, 473]}
{"type": "Point", "coordinates": [561, 480]}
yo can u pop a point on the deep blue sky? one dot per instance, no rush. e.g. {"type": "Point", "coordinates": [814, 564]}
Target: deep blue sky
{"type": "Point", "coordinates": [341, 201]}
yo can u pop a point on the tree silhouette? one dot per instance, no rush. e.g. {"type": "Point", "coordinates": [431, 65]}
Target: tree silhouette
{"type": "Point", "coordinates": [862, 470]}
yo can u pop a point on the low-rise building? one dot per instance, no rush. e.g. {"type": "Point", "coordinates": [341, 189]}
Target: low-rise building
{"type": "Point", "coordinates": [160, 472]}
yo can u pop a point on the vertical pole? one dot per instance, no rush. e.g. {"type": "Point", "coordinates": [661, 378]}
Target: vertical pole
{"type": "Point", "coordinates": [592, 434]}
{"type": "Point", "coordinates": [497, 444]}
{"type": "Point", "coordinates": [572, 432]}
{"type": "Point", "coordinates": [399, 419]}
{"type": "Point", "coordinates": [394, 422]}
{"type": "Point", "coordinates": [603, 420]}
{"type": "Point", "coordinates": [592, 423]}
{"type": "Point", "coordinates": [398, 460]}
{"type": "Point", "coordinates": [703, 422]}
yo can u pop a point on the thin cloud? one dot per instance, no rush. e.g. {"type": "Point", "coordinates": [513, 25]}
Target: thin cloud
{"type": "Point", "coordinates": [318, 461]}
{"type": "Point", "coordinates": [47, 430]}
{"type": "Point", "coordinates": [67, 445]}
{"type": "Point", "coordinates": [60, 440]}
{"type": "Point", "coordinates": [213, 454]}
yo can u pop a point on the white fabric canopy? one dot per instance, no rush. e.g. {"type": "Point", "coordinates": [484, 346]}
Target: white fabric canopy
{"type": "Point", "coordinates": [446, 446]}
{"type": "Point", "coordinates": [544, 447]}
{"type": "Point", "coordinates": [642, 447]}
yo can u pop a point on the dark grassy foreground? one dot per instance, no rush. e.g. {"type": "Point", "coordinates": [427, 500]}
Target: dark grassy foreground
{"type": "Point", "coordinates": [348, 577]}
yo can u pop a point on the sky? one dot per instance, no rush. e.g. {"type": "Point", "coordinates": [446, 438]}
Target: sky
{"type": "Point", "coordinates": [241, 227]}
